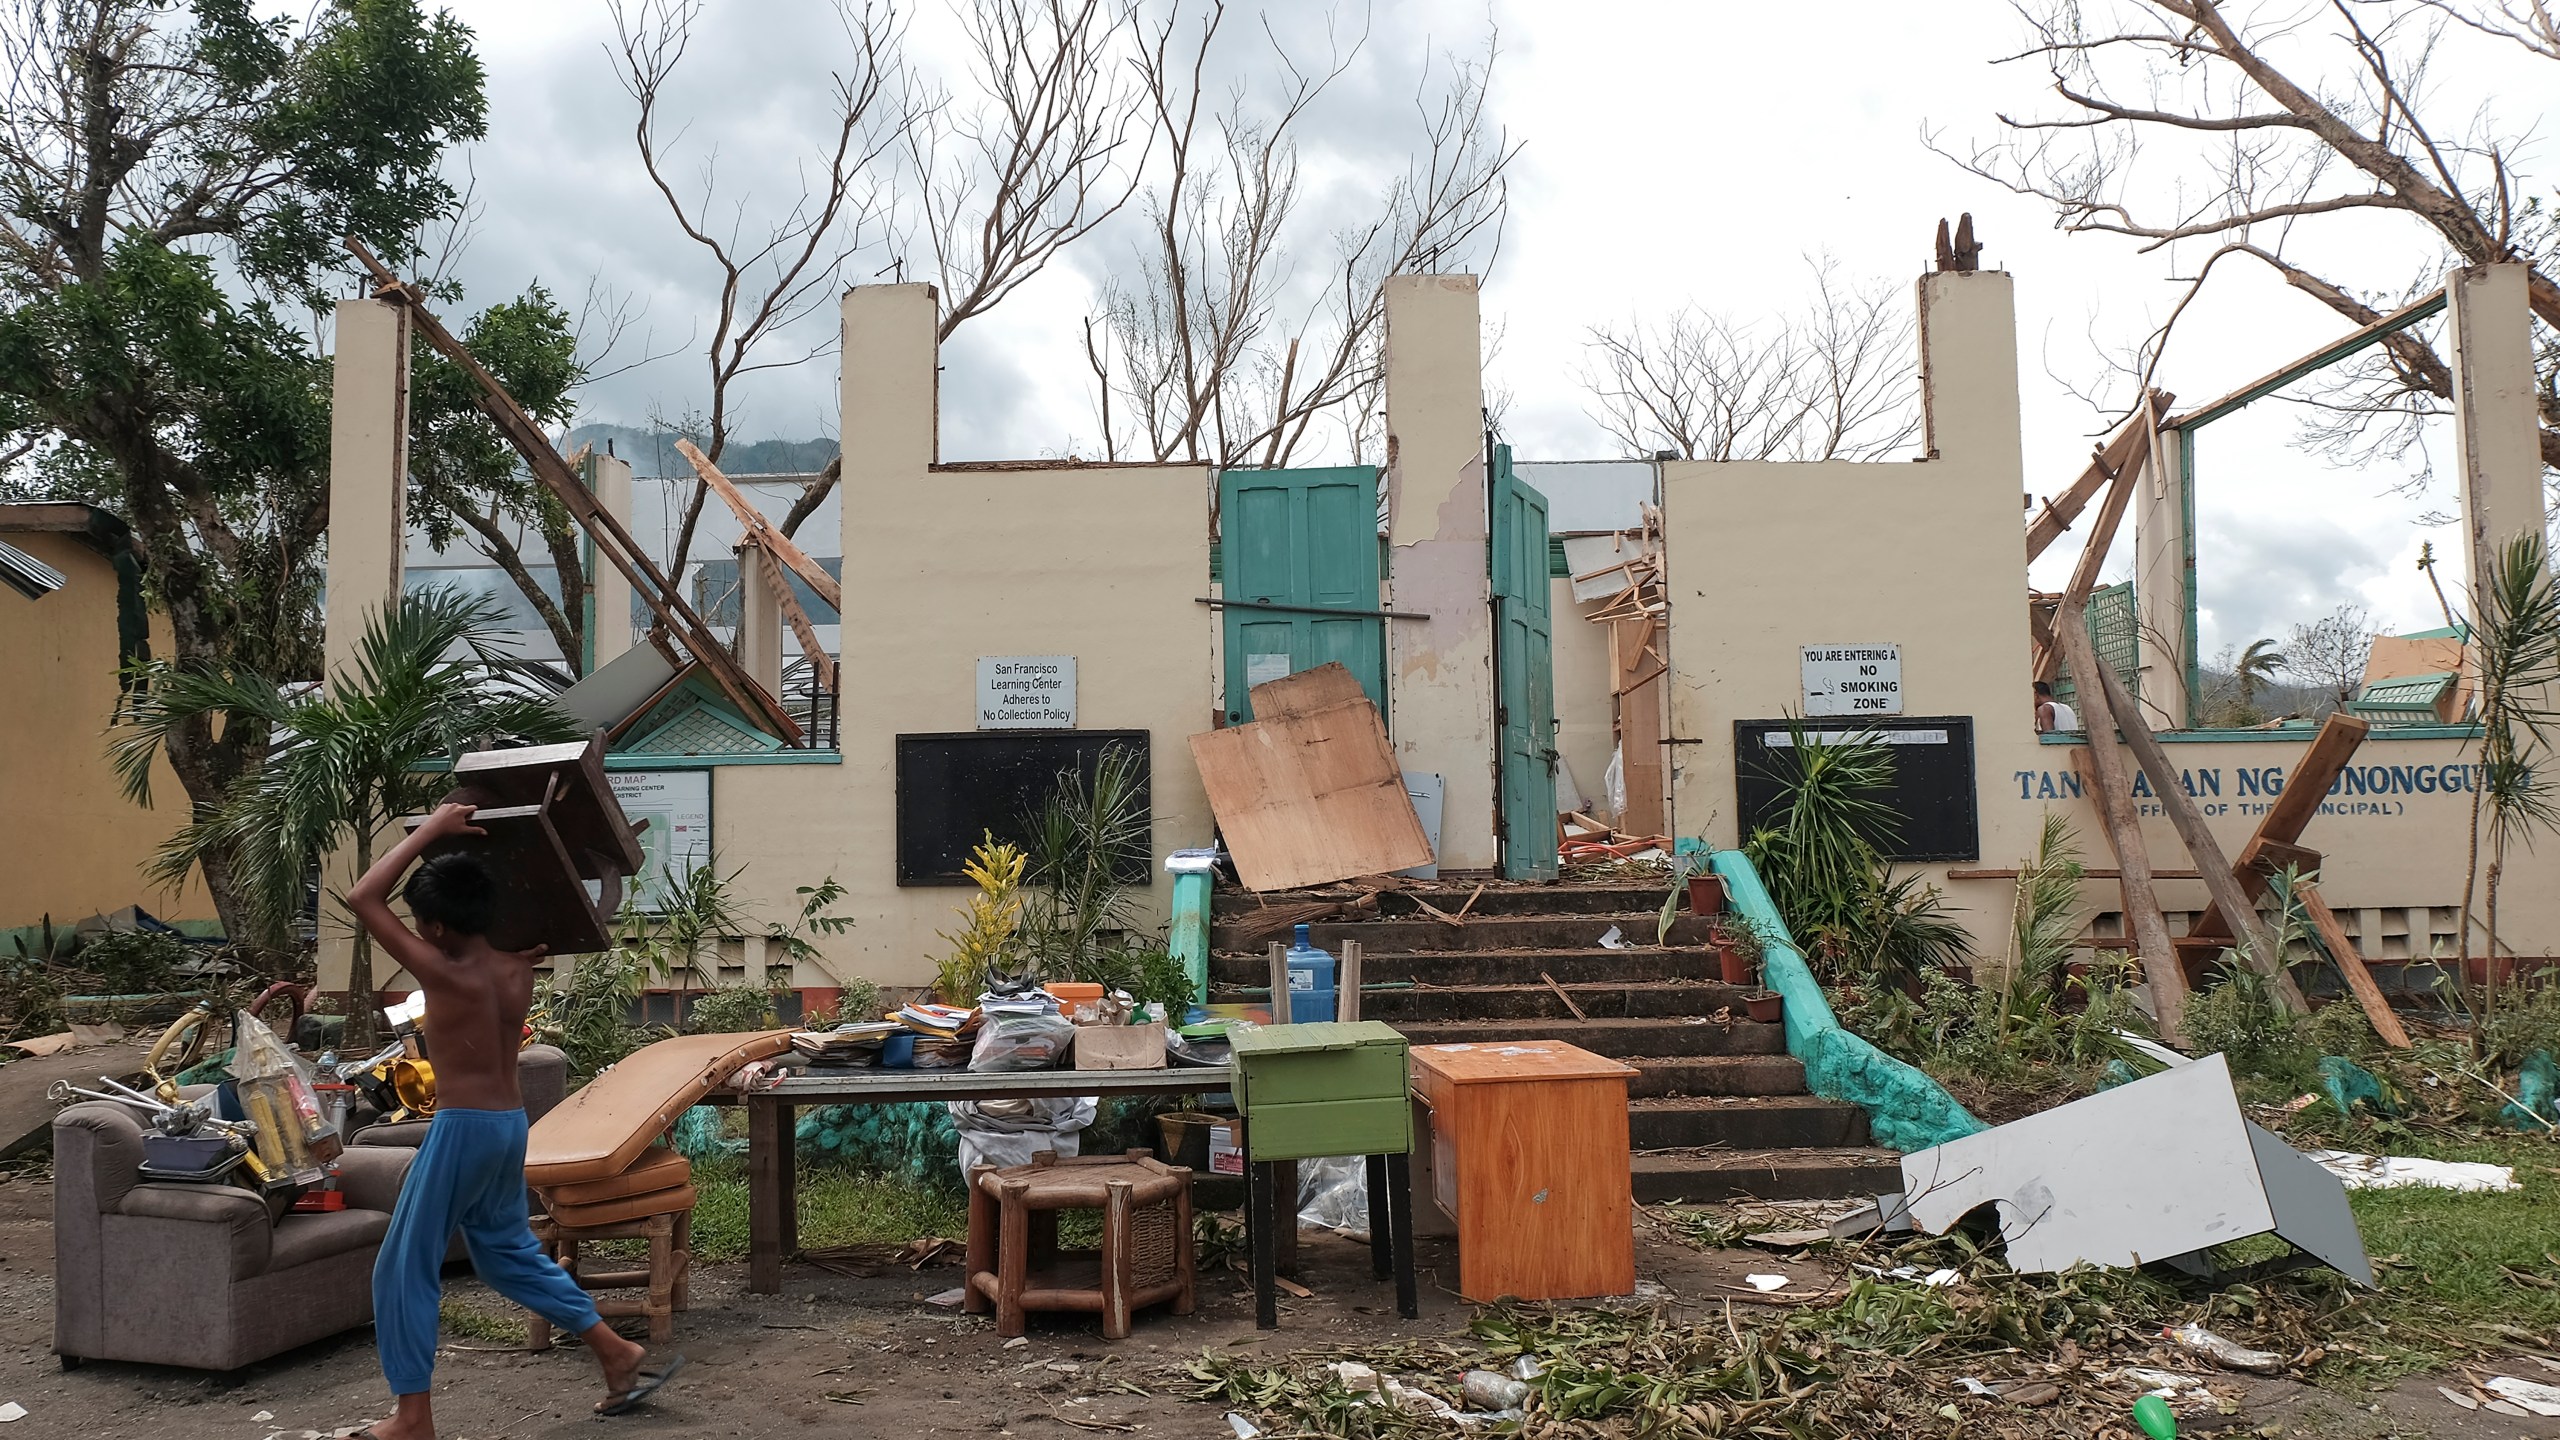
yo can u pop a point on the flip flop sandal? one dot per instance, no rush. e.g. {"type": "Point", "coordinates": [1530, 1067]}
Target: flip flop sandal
{"type": "Point", "coordinates": [651, 1382]}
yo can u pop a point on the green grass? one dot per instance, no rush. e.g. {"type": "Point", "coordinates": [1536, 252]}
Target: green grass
{"type": "Point", "coordinates": [2450, 1263]}
{"type": "Point", "coordinates": [837, 1207]}
{"type": "Point", "coordinates": [461, 1317]}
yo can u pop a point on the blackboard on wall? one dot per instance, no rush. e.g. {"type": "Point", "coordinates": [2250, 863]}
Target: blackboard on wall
{"type": "Point", "coordinates": [953, 789]}
{"type": "Point", "coordinates": [1932, 788]}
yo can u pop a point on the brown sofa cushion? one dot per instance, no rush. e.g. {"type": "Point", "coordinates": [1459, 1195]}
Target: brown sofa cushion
{"type": "Point", "coordinates": [238, 1217]}
{"type": "Point", "coordinates": [598, 1132]}
{"type": "Point", "coordinates": [302, 1239]}
{"type": "Point", "coordinates": [628, 1208]}
{"type": "Point", "coordinates": [658, 1168]}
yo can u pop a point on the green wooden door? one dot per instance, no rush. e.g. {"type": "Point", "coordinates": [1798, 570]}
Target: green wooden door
{"type": "Point", "coordinates": [1523, 674]}
{"type": "Point", "coordinates": [1298, 551]}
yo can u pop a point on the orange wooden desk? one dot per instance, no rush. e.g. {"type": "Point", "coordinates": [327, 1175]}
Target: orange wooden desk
{"type": "Point", "coordinates": [1529, 1157]}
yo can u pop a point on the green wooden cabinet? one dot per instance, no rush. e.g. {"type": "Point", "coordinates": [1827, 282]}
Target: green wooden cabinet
{"type": "Point", "coordinates": [1322, 1089]}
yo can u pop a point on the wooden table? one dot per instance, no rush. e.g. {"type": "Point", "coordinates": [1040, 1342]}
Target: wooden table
{"type": "Point", "coordinates": [773, 1198]}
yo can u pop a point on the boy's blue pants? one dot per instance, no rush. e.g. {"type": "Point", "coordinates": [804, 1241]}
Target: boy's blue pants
{"type": "Point", "coordinates": [469, 1176]}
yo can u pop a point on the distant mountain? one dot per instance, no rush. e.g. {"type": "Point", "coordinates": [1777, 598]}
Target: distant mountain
{"type": "Point", "coordinates": [652, 453]}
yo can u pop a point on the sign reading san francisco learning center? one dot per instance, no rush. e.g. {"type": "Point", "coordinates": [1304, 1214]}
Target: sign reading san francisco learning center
{"type": "Point", "coordinates": [1026, 692]}
{"type": "Point", "coordinates": [1852, 679]}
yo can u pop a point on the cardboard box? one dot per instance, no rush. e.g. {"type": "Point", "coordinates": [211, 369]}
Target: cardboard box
{"type": "Point", "coordinates": [1119, 1047]}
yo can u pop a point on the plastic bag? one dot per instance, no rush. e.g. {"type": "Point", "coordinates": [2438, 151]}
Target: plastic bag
{"type": "Point", "coordinates": [1011, 1132]}
{"type": "Point", "coordinates": [1334, 1194]}
{"type": "Point", "coordinates": [1021, 1042]}
{"type": "Point", "coordinates": [1613, 783]}
{"type": "Point", "coordinates": [295, 1141]}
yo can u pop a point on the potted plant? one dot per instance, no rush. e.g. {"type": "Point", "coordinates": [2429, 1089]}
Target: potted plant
{"type": "Point", "coordinates": [1766, 1006]}
{"type": "Point", "coordinates": [1706, 892]}
{"type": "Point", "coordinates": [1737, 948]}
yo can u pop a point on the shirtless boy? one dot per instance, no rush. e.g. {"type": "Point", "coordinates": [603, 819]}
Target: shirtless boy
{"type": "Point", "coordinates": [469, 1175]}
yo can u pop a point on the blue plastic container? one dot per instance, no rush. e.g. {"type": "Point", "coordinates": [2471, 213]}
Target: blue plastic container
{"type": "Point", "coordinates": [898, 1051]}
{"type": "Point", "coordinates": [1311, 982]}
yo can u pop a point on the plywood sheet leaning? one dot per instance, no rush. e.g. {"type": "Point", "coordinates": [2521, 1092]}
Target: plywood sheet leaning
{"type": "Point", "coordinates": [1310, 797]}
{"type": "Point", "coordinates": [1307, 691]}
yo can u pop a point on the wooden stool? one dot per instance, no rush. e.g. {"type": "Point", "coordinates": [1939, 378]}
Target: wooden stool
{"type": "Point", "coordinates": [665, 1283]}
{"type": "Point", "coordinates": [1014, 1263]}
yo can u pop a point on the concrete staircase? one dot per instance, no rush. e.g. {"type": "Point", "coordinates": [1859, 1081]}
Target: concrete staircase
{"type": "Point", "coordinates": [1717, 1109]}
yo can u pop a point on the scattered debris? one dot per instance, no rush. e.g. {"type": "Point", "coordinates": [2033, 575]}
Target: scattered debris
{"type": "Point", "coordinates": [2164, 1168]}
{"type": "Point", "coordinates": [1017, 1342]}
{"type": "Point", "coordinates": [2226, 1353]}
{"type": "Point", "coordinates": [1614, 939]}
{"type": "Point", "coordinates": [1245, 1429]}
{"type": "Point", "coordinates": [2540, 1399]}
{"type": "Point", "coordinates": [2394, 1172]}
{"type": "Point", "coordinates": [2457, 1397]}
{"type": "Point", "coordinates": [1934, 1279]}
{"type": "Point", "coordinates": [1487, 1390]}
{"type": "Point", "coordinates": [1788, 1239]}
{"type": "Point", "coordinates": [1766, 1283]}
{"type": "Point", "coordinates": [15, 1411]}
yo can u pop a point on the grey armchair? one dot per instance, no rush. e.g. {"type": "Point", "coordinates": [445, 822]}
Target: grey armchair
{"type": "Point", "coordinates": [198, 1275]}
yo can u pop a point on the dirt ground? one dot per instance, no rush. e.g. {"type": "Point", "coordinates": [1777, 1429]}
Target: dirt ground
{"type": "Point", "coordinates": [766, 1366]}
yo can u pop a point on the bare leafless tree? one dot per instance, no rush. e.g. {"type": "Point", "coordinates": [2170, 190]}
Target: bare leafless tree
{"type": "Point", "coordinates": [2270, 118]}
{"type": "Point", "coordinates": [1838, 382]}
{"type": "Point", "coordinates": [777, 271]}
{"type": "Point", "coordinates": [1053, 147]}
{"type": "Point", "coordinates": [1211, 346]}
{"type": "Point", "coordinates": [2328, 654]}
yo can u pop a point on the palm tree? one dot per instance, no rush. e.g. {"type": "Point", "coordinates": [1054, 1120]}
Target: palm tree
{"type": "Point", "coordinates": [2256, 666]}
{"type": "Point", "coordinates": [424, 683]}
{"type": "Point", "coordinates": [2516, 637]}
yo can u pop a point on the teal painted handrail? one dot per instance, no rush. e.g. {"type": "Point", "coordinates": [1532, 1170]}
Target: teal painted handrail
{"type": "Point", "coordinates": [1905, 1108]}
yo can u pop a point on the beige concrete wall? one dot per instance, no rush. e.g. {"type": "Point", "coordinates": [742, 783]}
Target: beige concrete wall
{"type": "Point", "coordinates": [368, 469]}
{"type": "Point", "coordinates": [2496, 429]}
{"type": "Point", "coordinates": [2161, 583]}
{"type": "Point", "coordinates": [1440, 671]}
{"type": "Point", "coordinates": [610, 590]}
{"type": "Point", "coordinates": [1586, 713]}
{"type": "Point", "coordinates": [2390, 836]}
{"type": "Point", "coordinates": [1765, 558]}
{"type": "Point", "coordinates": [1101, 564]}
{"type": "Point", "coordinates": [78, 847]}
{"type": "Point", "coordinates": [944, 564]}
{"type": "Point", "coordinates": [368, 512]}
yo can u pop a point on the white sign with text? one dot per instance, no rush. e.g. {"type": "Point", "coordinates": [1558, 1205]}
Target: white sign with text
{"type": "Point", "coordinates": [1026, 692]}
{"type": "Point", "coordinates": [1852, 679]}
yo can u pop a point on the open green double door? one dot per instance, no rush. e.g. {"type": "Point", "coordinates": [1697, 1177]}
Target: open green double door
{"type": "Point", "coordinates": [1301, 561]}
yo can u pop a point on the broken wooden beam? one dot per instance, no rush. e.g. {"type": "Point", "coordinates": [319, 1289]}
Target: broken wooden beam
{"type": "Point", "coordinates": [761, 531]}
{"type": "Point", "coordinates": [2219, 880]}
{"type": "Point", "coordinates": [2333, 938]}
{"type": "Point", "coordinates": [612, 539]}
{"type": "Point", "coordinates": [2059, 511]}
{"type": "Point", "coordinates": [2150, 928]}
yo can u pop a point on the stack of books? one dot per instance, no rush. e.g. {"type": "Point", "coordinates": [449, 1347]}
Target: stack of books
{"type": "Point", "coordinates": [855, 1044]}
{"type": "Point", "coordinates": [935, 1022]}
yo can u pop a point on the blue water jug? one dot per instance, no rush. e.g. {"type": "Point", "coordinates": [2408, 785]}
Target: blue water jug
{"type": "Point", "coordinates": [1311, 985]}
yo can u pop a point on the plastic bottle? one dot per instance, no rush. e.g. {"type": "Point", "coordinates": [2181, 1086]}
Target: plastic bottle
{"type": "Point", "coordinates": [1311, 983]}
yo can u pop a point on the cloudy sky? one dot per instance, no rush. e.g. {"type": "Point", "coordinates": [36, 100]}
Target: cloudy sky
{"type": "Point", "coordinates": [1671, 153]}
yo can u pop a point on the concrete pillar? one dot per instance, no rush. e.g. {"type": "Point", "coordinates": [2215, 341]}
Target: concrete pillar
{"type": "Point", "coordinates": [1969, 376]}
{"type": "Point", "coordinates": [759, 621]}
{"type": "Point", "coordinates": [368, 470]}
{"type": "Point", "coordinates": [368, 513]}
{"type": "Point", "coordinates": [2496, 431]}
{"type": "Point", "coordinates": [1440, 671]}
{"type": "Point", "coordinates": [608, 590]}
{"type": "Point", "coordinates": [2164, 577]}
{"type": "Point", "coordinates": [892, 383]}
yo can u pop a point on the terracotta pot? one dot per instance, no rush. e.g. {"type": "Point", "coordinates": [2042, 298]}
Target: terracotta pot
{"type": "Point", "coordinates": [1706, 894]}
{"type": "Point", "coordinates": [1737, 967]}
{"type": "Point", "coordinates": [1766, 1006]}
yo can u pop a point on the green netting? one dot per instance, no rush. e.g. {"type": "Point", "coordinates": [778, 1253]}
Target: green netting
{"type": "Point", "coordinates": [1905, 1108]}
